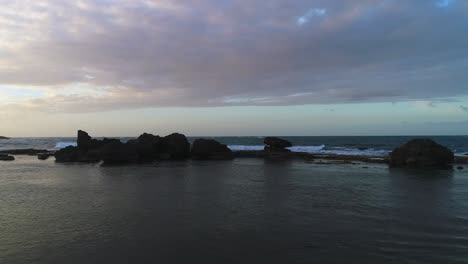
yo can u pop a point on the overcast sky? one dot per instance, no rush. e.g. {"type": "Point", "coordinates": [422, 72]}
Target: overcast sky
{"type": "Point", "coordinates": [248, 67]}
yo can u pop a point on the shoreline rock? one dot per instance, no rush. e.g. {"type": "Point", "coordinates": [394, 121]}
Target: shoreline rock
{"type": "Point", "coordinates": [6, 157]}
{"type": "Point", "coordinates": [210, 149]}
{"type": "Point", "coordinates": [421, 153]}
{"type": "Point", "coordinates": [274, 144]}
{"type": "Point", "coordinates": [2, 137]}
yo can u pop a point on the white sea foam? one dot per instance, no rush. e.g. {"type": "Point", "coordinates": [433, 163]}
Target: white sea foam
{"type": "Point", "coordinates": [322, 149]}
{"type": "Point", "coordinates": [61, 145]}
{"type": "Point", "coordinates": [245, 147]}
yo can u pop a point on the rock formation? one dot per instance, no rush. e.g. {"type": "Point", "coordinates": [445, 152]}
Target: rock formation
{"type": "Point", "coordinates": [276, 144]}
{"type": "Point", "coordinates": [420, 153]}
{"type": "Point", "coordinates": [4, 137]}
{"type": "Point", "coordinates": [210, 149]}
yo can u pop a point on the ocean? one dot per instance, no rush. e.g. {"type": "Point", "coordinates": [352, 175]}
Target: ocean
{"type": "Point", "coordinates": [238, 211]}
{"type": "Point", "coordinates": [349, 145]}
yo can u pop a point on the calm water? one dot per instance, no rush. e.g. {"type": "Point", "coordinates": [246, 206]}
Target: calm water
{"type": "Point", "coordinates": [351, 145]}
{"type": "Point", "coordinates": [241, 211]}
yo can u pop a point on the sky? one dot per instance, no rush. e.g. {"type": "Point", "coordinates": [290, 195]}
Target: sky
{"type": "Point", "coordinates": [235, 68]}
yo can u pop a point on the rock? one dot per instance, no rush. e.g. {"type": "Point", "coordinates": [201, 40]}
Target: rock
{"type": "Point", "coordinates": [147, 147]}
{"type": "Point", "coordinates": [75, 154]}
{"type": "Point", "coordinates": [119, 153]}
{"type": "Point", "coordinates": [176, 145]}
{"type": "Point", "coordinates": [6, 157]}
{"type": "Point", "coordinates": [30, 152]}
{"type": "Point", "coordinates": [460, 168]}
{"type": "Point", "coordinates": [421, 153]}
{"type": "Point", "coordinates": [86, 142]}
{"type": "Point", "coordinates": [210, 149]}
{"type": "Point", "coordinates": [44, 156]}
{"type": "Point", "coordinates": [275, 144]}
{"type": "Point", "coordinates": [4, 137]}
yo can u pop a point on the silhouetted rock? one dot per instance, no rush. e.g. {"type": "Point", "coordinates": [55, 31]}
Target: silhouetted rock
{"type": "Point", "coordinates": [274, 144]}
{"type": "Point", "coordinates": [119, 153]}
{"type": "Point", "coordinates": [1, 137]}
{"type": "Point", "coordinates": [6, 157]}
{"type": "Point", "coordinates": [75, 154]}
{"type": "Point", "coordinates": [460, 168]}
{"type": "Point", "coordinates": [210, 149]}
{"type": "Point", "coordinates": [421, 153]}
{"type": "Point", "coordinates": [176, 145]}
{"type": "Point", "coordinates": [147, 147]}
{"type": "Point", "coordinates": [30, 152]}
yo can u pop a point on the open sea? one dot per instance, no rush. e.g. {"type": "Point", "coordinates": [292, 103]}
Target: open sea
{"type": "Point", "coordinates": [239, 211]}
{"type": "Point", "coordinates": [349, 145]}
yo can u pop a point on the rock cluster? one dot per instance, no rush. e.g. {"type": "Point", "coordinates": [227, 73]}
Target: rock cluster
{"type": "Point", "coordinates": [276, 144]}
{"type": "Point", "coordinates": [145, 148]}
{"type": "Point", "coordinates": [421, 153]}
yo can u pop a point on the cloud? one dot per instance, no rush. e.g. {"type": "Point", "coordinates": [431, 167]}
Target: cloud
{"type": "Point", "coordinates": [150, 53]}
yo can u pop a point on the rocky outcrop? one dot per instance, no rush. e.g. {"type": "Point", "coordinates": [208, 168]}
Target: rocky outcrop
{"type": "Point", "coordinates": [6, 157]}
{"type": "Point", "coordinates": [145, 148]}
{"type": "Point", "coordinates": [175, 146]}
{"type": "Point", "coordinates": [276, 144]}
{"type": "Point", "coordinates": [210, 149]}
{"type": "Point", "coordinates": [421, 153]}
{"type": "Point", "coordinates": [4, 137]}
{"type": "Point", "coordinates": [119, 153]}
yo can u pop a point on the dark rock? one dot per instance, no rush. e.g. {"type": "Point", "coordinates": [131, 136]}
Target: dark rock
{"type": "Point", "coordinates": [6, 157]}
{"type": "Point", "coordinates": [86, 142]}
{"type": "Point", "coordinates": [363, 148]}
{"type": "Point", "coordinates": [44, 156]}
{"type": "Point", "coordinates": [147, 147]}
{"type": "Point", "coordinates": [176, 145]}
{"type": "Point", "coordinates": [4, 137]}
{"type": "Point", "coordinates": [75, 154]}
{"type": "Point", "coordinates": [277, 143]}
{"type": "Point", "coordinates": [460, 168]}
{"type": "Point", "coordinates": [210, 149]}
{"type": "Point", "coordinates": [119, 153]}
{"type": "Point", "coordinates": [420, 153]}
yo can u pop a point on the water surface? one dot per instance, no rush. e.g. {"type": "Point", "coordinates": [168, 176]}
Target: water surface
{"type": "Point", "coordinates": [241, 211]}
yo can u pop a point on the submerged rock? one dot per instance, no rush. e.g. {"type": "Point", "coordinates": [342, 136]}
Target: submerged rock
{"type": "Point", "coordinates": [420, 153]}
{"type": "Point", "coordinates": [210, 149]}
{"type": "Point", "coordinates": [44, 156]}
{"type": "Point", "coordinates": [6, 157]}
{"type": "Point", "coordinates": [30, 152]}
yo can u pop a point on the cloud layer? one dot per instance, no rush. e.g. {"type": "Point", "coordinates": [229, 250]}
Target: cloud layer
{"type": "Point", "coordinates": [111, 54]}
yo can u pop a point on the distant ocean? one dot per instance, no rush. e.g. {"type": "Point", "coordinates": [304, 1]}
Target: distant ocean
{"type": "Point", "coordinates": [345, 145]}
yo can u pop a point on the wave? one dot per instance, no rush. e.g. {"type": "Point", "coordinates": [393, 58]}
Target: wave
{"type": "Point", "coordinates": [61, 145]}
{"type": "Point", "coordinates": [322, 149]}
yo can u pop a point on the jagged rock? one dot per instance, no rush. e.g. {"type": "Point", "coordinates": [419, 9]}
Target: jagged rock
{"type": "Point", "coordinates": [421, 153]}
{"type": "Point", "coordinates": [119, 153]}
{"type": "Point", "coordinates": [210, 149]}
{"type": "Point", "coordinates": [147, 146]}
{"type": "Point", "coordinates": [176, 145]}
{"type": "Point", "coordinates": [276, 144]}
{"type": "Point", "coordinates": [6, 157]}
